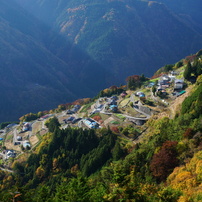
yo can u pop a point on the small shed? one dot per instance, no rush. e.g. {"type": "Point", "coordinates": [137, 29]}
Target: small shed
{"type": "Point", "coordinates": [19, 138]}
{"type": "Point", "coordinates": [138, 93]}
{"type": "Point", "coordinates": [123, 94]}
{"type": "Point", "coordinates": [26, 145]}
{"type": "Point", "coordinates": [142, 95]}
{"type": "Point", "coordinates": [114, 97]}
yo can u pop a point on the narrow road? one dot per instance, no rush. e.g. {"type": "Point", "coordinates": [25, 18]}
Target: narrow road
{"type": "Point", "coordinates": [6, 170]}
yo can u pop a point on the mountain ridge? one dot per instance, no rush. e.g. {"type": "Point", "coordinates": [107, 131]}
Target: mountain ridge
{"type": "Point", "coordinates": [65, 48]}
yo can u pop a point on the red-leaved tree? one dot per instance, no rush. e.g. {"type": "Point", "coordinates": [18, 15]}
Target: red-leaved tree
{"type": "Point", "coordinates": [164, 161]}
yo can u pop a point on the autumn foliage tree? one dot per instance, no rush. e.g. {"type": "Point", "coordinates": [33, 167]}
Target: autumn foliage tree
{"type": "Point", "coordinates": [97, 118]}
{"type": "Point", "coordinates": [189, 133]}
{"type": "Point", "coordinates": [164, 161]}
{"type": "Point", "coordinates": [115, 129]}
{"type": "Point", "coordinates": [133, 82]}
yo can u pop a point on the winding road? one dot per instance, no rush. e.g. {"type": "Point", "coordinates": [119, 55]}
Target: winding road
{"type": "Point", "coordinates": [138, 109]}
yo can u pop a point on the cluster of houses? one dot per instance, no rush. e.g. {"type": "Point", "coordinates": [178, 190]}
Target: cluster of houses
{"type": "Point", "coordinates": [98, 108]}
{"type": "Point", "coordinates": [166, 80]}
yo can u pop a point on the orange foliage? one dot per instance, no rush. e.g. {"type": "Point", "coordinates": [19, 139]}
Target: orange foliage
{"type": "Point", "coordinates": [134, 77]}
{"type": "Point", "coordinates": [55, 163]}
{"type": "Point", "coordinates": [115, 129]}
{"type": "Point", "coordinates": [188, 133]}
{"type": "Point", "coordinates": [157, 76]}
{"type": "Point", "coordinates": [97, 118]}
{"type": "Point", "coordinates": [40, 172]}
{"type": "Point", "coordinates": [75, 169]}
{"type": "Point", "coordinates": [190, 58]}
{"type": "Point", "coordinates": [81, 101]}
{"type": "Point", "coordinates": [113, 88]}
{"type": "Point", "coordinates": [76, 102]}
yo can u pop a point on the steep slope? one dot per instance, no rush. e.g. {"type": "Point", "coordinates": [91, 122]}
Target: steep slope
{"type": "Point", "coordinates": [32, 77]}
{"type": "Point", "coordinates": [54, 52]}
{"type": "Point", "coordinates": [188, 11]}
{"type": "Point", "coordinates": [124, 37]}
{"type": "Point", "coordinates": [79, 164]}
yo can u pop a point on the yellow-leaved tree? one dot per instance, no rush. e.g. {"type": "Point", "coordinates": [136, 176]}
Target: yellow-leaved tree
{"type": "Point", "coordinates": [188, 179]}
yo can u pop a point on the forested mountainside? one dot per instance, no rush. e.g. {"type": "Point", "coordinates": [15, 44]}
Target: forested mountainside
{"type": "Point", "coordinates": [122, 159]}
{"type": "Point", "coordinates": [188, 11]}
{"type": "Point", "coordinates": [123, 36]}
{"type": "Point", "coordinates": [54, 52]}
{"type": "Point", "coordinates": [32, 77]}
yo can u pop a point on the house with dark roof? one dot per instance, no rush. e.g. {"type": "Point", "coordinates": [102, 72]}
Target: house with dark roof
{"type": "Point", "coordinates": [179, 84]}
{"type": "Point", "coordinates": [114, 97]}
{"type": "Point", "coordinates": [164, 80]}
{"type": "Point", "coordinates": [69, 119]}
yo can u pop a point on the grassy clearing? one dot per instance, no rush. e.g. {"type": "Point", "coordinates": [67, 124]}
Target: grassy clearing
{"type": "Point", "coordinates": [9, 137]}
{"type": "Point", "coordinates": [104, 116]}
{"type": "Point", "coordinates": [129, 110]}
{"type": "Point", "coordinates": [37, 127]}
{"type": "Point", "coordinates": [146, 90]}
{"type": "Point", "coordinates": [124, 102]}
{"type": "Point", "coordinates": [115, 122]}
{"type": "Point", "coordinates": [93, 115]}
{"type": "Point", "coordinates": [86, 107]}
{"type": "Point", "coordinates": [154, 80]}
{"type": "Point", "coordinates": [39, 136]}
{"type": "Point", "coordinates": [120, 116]}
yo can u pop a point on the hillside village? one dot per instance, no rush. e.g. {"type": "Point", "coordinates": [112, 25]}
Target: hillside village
{"type": "Point", "coordinates": [138, 141]}
{"type": "Point", "coordinates": [129, 108]}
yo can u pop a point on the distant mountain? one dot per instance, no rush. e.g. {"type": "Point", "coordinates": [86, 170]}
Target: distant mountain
{"type": "Point", "coordinates": [55, 51]}
{"type": "Point", "coordinates": [32, 77]}
{"type": "Point", "coordinates": [189, 11]}
{"type": "Point", "coordinates": [124, 37]}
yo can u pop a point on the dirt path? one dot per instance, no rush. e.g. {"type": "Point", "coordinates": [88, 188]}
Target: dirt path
{"type": "Point", "coordinates": [175, 106]}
